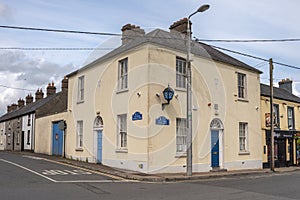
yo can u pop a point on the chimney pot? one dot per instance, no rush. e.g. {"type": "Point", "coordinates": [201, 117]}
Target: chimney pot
{"type": "Point", "coordinates": [129, 32]}
{"type": "Point", "coordinates": [286, 84]}
{"type": "Point", "coordinates": [64, 84]}
{"type": "Point", "coordinates": [51, 89]}
{"type": "Point", "coordinates": [21, 103]}
{"type": "Point", "coordinates": [39, 95]}
{"type": "Point", "coordinates": [180, 26]}
{"type": "Point", "coordinates": [29, 99]}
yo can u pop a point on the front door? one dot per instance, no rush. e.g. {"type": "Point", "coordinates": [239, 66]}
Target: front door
{"type": "Point", "coordinates": [57, 139]}
{"type": "Point", "coordinates": [215, 148]}
{"type": "Point", "coordinates": [99, 146]}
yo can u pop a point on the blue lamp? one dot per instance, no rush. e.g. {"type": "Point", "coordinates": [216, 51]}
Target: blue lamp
{"type": "Point", "coordinates": [168, 95]}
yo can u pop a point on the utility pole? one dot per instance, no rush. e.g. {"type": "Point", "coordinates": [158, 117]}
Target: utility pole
{"type": "Point", "coordinates": [272, 163]}
{"type": "Point", "coordinates": [189, 139]}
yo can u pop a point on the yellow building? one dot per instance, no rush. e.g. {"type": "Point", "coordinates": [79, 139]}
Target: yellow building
{"type": "Point", "coordinates": [286, 107]}
{"type": "Point", "coordinates": [118, 115]}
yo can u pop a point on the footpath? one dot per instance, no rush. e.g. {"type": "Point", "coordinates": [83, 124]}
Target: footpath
{"type": "Point", "coordinates": [163, 177]}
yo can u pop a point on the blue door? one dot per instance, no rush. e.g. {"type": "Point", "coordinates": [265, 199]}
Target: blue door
{"type": "Point", "coordinates": [215, 148]}
{"type": "Point", "coordinates": [57, 139]}
{"type": "Point", "coordinates": [99, 146]}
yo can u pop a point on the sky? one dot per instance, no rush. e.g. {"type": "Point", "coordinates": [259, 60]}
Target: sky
{"type": "Point", "coordinates": [24, 71]}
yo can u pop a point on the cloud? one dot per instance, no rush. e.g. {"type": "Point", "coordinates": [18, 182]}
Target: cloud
{"type": "Point", "coordinates": [18, 70]}
{"type": "Point", "coordinates": [5, 13]}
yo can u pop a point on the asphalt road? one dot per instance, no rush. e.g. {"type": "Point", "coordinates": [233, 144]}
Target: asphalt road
{"type": "Point", "coordinates": [25, 177]}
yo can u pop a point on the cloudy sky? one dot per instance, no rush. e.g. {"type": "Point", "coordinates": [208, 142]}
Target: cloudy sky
{"type": "Point", "coordinates": [24, 71]}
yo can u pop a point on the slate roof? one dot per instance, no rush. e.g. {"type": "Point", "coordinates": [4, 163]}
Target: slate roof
{"type": "Point", "coordinates": [174, 41]}
{"type": "Point", "coordinates": [278, 93]}
{"type": "Point", "coordinates": [30, 108]}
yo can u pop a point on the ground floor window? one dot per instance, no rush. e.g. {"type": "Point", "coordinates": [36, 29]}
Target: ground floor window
{"type": "Point", "coordinates": [243, 131]}
{"type": "Point", "coordinates": [181, 134]}
{"type": "Point", "coordinates": [122, 131]}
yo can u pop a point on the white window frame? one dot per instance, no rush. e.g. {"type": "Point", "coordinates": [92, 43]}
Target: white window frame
{"type": "Point", "coordinates": [123, 74]}
{"type": "Point", "coordinates": [242, 85]}
{"type": "Point", "coordinates": [243, 137]}
{"type": "Point", "coordinates": [122, 132]}
{"type": "Point", "coordinates": [79, 135]}
{"type": "Point", "coordinates": [290, 116]}
{"type": "Point", "coordinates": [181, 67]}
{"type": "Point", "coordinates": [80, 97]}
{"type": "Point", "coordinates": [181, 135]}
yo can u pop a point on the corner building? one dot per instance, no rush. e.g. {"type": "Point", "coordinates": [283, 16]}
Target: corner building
{"type": "Point", "coordinates": [118, 115]}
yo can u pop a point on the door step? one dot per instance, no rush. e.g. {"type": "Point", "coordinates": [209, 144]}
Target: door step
{"type": "Point", "coordinates": [218, 169]}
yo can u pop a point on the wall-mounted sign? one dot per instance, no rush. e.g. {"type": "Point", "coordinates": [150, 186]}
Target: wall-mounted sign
{"type": "Point", "coordinates": [137, 116]}
{"type": "Point", "coordinates": [162, 121]}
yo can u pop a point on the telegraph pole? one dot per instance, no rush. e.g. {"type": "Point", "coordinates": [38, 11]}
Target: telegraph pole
{"type": "Point", "coordinates": [272, 162]}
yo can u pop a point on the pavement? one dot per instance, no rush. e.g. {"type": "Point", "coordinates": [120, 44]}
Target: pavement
{"type": "Point", "coordinates": [163, 177]}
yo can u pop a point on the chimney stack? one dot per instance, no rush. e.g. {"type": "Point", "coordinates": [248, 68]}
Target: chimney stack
{"type": "Point", "coordinates": [39, 95]}
{"type": "Point", "coordinates": [21, 103]}
{"type": "Point", "coordinates": [130, 32]}
{"type": "Point", "coordinates": [8, 109]}
{"type": "Point", "coordinates": [64, 84]}
{"type": "Point", "coordinates": [180, 26]}
{"type": "Point", "coordinates": [29, 99]}
{"type": "Point", "coordinates": [51, 89]}
{"type": "Point", "coordinates": [13, 107]}
{"type": "Point", "coordinates": [286, 84]}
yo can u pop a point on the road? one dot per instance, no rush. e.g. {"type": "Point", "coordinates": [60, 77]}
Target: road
{"type": "Point", "coordinates": [32, 178]}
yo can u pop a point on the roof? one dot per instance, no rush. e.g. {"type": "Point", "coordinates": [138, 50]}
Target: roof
{"type": "Point", "coordinates": [30, 108]}
{"type": "Point", "coordinates": [278, 93]}
{"type": "Point", "coordinates": [176, 41]}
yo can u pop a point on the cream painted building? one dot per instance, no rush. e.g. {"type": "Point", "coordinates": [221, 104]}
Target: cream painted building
{"type": "Point", "coordinates": [286, 109]}
{"type": "Point", "coordinates": [116, 117]}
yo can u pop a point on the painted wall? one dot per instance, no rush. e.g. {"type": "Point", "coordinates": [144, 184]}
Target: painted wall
{"type": "Point", "coordinates": [28, 129]}
{"type": "Point", "coordinates": [151, 147]}
{"type": "Point", "coordinates": [2, 136]}
{"type": "Point", "coordinates": [43, 129]}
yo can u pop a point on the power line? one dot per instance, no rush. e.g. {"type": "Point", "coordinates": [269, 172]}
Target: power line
{"type": "Point", "coordinates": [254, 57]}
{"type": "Point", "coordinates": [54, 48]}
{"type": "Point", "coordinates": [249, 40]}
{"type": "Point", "coordinates": [15, 88]}
{"type": "Point", "coordinates": [59, 30]}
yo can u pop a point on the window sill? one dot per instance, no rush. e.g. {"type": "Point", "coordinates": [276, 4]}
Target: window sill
{"type": "Point", "coordinates": [122, 91]}
{"type": "Point", "coordinates": [122, 150]}
{"type": "Point", "coordinates": [79, 102]}
{"type": "Point", "coordinates": [180, 155]}
{"type": "Point", "coordinates": [243, 100]}
{"type": "Point", "coordinates": [79, 149]}
{"type": "Point", "coordinates": [244, 153]}
{"type": "Point", "coordinates": [180, 89]}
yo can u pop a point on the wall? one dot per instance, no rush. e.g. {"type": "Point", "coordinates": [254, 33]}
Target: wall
{"type": "Point", "coordinates": [43, 130]}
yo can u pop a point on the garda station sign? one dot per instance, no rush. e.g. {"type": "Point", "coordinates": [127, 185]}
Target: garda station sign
{"type": "Point", "coordinates": [162, 120]}
{"type": "Point", "coordinates": [137, 116]}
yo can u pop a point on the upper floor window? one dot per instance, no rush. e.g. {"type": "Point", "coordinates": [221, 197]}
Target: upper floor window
{"type": "Point", "coordinates": [276, 116]}
{"type": "Point", "coordinates": [242, 90]}
{"type": "Point", "coordinates": [290, 113]}
{"type": "Point", "coordinates": [180, 73]}
{"type": "Point", "coordinates": [123, 74]}
{"type": "Point", "coordinates": [122, 131]}
{"type": "Point", "coordinates": [243, 134]}
{"type": "Point", "coordinates": [80, 96]}
{"type": "Point", "coordinates": [29, 120]}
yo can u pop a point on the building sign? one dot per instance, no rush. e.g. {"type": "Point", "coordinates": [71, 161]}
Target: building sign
{"type": "Point", "coordinates": [162, 121]}
{"type": "Point", "coordinates": [137, 116]}
{"type": "Point", "coordinates": [268, 120]}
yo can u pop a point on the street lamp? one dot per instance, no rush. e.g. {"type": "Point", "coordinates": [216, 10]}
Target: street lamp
{"type": "Point", "coordinates": [189, 157]}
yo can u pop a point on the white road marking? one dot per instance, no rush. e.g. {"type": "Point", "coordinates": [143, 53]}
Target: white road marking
{"type": "Point", "coordinates": [35, 158]}
{"type": "Point", "coordinates": [34, 172]}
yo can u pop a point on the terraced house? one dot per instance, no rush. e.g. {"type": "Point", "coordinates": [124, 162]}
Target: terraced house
{"type": "Point", "coordinates": [286, 107]}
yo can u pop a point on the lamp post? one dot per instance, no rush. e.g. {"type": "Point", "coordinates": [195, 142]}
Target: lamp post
{"type": "Point", "coordinates": [189, 157]}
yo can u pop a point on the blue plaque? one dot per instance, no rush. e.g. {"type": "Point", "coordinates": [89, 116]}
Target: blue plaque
{"type": "Point", "coordinates": [162, 121]}
{"type": "Point", "coordinates": [137, 116]}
